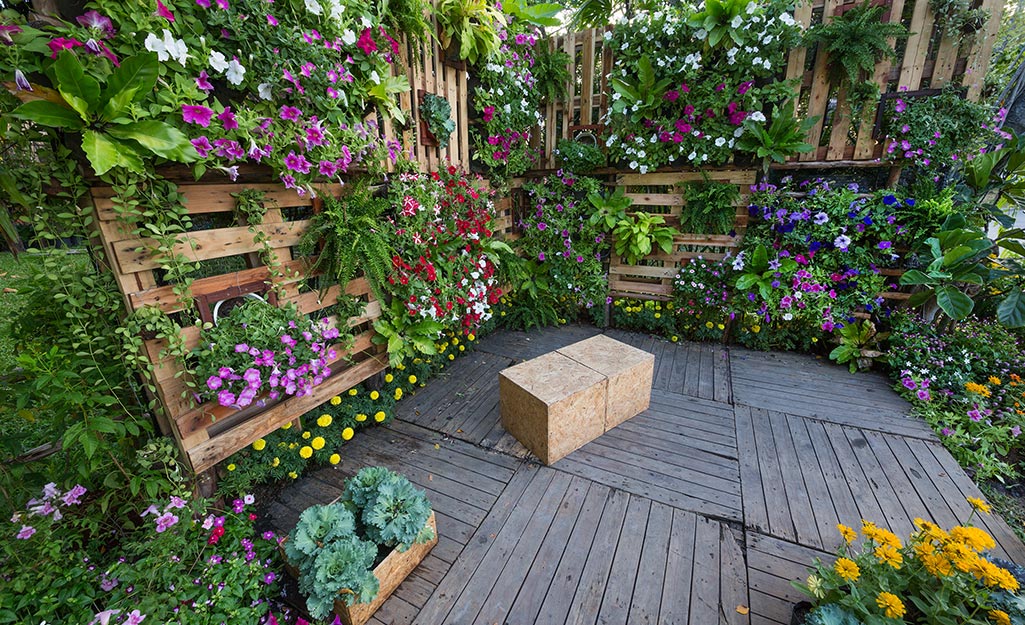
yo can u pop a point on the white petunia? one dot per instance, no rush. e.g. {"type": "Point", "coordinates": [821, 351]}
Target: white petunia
{"type": "Point", "coordinates": [787, 19]}
{"type": "Point", "coordinates": [217, 61]}
{"type": "Point", "coordinates": [757, 116]}
{"type": "Point", "coordinates": [155, 44]}
{"type": "Point", "coordinates": [720, 142]}
{"type": "Point", "coordinates": [737, 21]}
{"type": "Point", "coordinates": [176, 48]}
{"type": "Point", "coordinates": [314, 7]}
{"type": "Point", "coordinates": [264, 89]}
{"type": "Point", "coordinates": [348, 37]}
{"type": "Point", "coordinates": [235, 72]}
{"type": "Point", "coordinates": [337, 8]}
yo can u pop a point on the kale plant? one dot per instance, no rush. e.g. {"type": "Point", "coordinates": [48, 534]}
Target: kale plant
{"type": "Point", "coordinates": [392, 511]}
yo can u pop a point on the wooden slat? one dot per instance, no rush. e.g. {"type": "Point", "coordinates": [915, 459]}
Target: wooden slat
{"type": "Point", "coordinates": [569, 45]}
{"type": "Point", "coordinates": [214, 198]}
{"type": "Point", "coordinates": [740, 177]}
{"type": "Point", "coordinates": [819, 94]}
{"type": "Point", "coordinates": [913, 67]}
{"type": "Point", "coordinates": [978, 61]}
{"type": "Point", "coordinates": [587, 77]}
{"type": "Point", "coordinates": [656, 199]}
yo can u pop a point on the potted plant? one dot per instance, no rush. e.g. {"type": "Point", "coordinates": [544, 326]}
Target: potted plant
{"type": "Point", "coordinates": [436, 125]}
{"type": "Point", "coordinates": [350, 555]}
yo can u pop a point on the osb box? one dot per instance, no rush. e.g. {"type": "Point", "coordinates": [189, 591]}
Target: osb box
{"type": "Point", "coordinates": [629, 371]}
{"type": "Point", "coordinates": [552, 404]}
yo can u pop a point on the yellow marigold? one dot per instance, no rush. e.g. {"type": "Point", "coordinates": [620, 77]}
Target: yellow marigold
{"type": "Point", "coordinates": [324, 420]}
{"type": "Point", "coordinates": [361, 417]}
{"type": "Point", "coordinates": [937, 565]}
{"type": "Point", "coordinates": [978, 389]}
{"type": "Point", "coordinates": [890, 604]}
{"type": "Point", "coordinates": [259, 444]}
{"type": "Point", "coordinates": [231, 467]}
{"type": "Point", "coordinates": [352, 392]}
{"type": "Point", "coordinates": [379, 416]}
{"type": "Point", "coordinates": [887, 554]}
{"type": "Point", "coordinates": [470, 337]}
{"type": "Point", "coordinates": [318, 443]}
{"type": "Point", "coordinates": [293, 445]}
{"type": "Point", "coordinates": [401, 367]}
{"type": "Point", "coordinates": [709, 325]}
{"type": "Point", "coordinates": [976, 538]}
{"type": "Point", "coordinates": [999, 617]}
{"type": "Point", "coordinates": [756, 329]}
{"type": "Point", "coordinates": [453, 356]}
{"type": "Point", "coordinates": [388, 377]}
{"type": "Point", "coordinates": [455, 341]}
{"type": "Point", "coordinates": [412, 379]}
{"type": "Point", "coordinates": [398, 394]}
{"type": "Point", "coordinates": [674, 338]}
{"type": "Point", "coordinates": [275, 462]}
{"type": "Point", "coordinates": [334, 459]}
{"type": "Point", "coordinates": [979, 504]}
{"type": "Point", "coordinates": [336, 400]}
{"type": "Point", "coordinates": [293, 474]}
{"type": "Point", "coordinates": [994, 380]}
{"type": "Point", "coordinates": [658, 315]}
{"type": "Point", "coordinates": [848, 533]}
{"type": "Point", "coordinates": [847, 569]}
{"type": "Point", "coordinates": [374, 395]}
{"type": "Point", "coordinates": [305, 451]}
{"type": "Point", "coordinates": [306, 435]}
{"type": "Point", "coordinates": [286, 426]}
{"type": "Point", "coordinates": [347, 434]}
{"type": "Point", "coordinates": [721, 326]}
{"type": "Point", "coordinates": [462, 348]}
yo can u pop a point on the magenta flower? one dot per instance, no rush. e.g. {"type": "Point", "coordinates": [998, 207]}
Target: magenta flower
{"type": "Point", "coordinates": [900, 106]}
{"type": "Point", "coordinates": [26, 532]}
{"type": "Point", "coordinates": [202, 145]}
{"type": "Point", "coordinates": [197, 115]}
{"type": "Point", "coordinates": [314, 136]}
{"type": "Point", "coordinates": [672, 96]}
{"type": "Point", "coordinates": [165, 521]}
{"type": "Point", "coordinates": [975, 414]}
{"type": "Point", "coordinates": [226, 398]}
{"type": "Point", "coordinates": [923, 394]}
{"type": "Point", "coordinates": [63, 43]}
{"type": "Point", "coordinates": [290, 113]}
{"type": "Point", "coordinates": [6, 30]}
{"type": "Point", "coordinates": [162, 11]}
{"type": "Point", "coordinates": [297, 162]}
{"type": "Point", "coordinates": [223, 4]}
{"type": "Point", "coordinates": [489, 113]}
{"type": "Point", "coordinates": [203, 81]}
{"type": "Point", "coordinates": [227, 119]}
{"type": "Point", "coordinates": [909, 383]}
{"type": "Point", "coordinates": [328, 169]}
{"type": "Point", "coordinates": [269, 578]}
{"type": "Point", "coordinates": [93, 20]}
{"type": "Point", "coordinates": [366, 42]}
{"type": "Point", "coordinates": [271, 20]}
{"type": "Point", "coordinates": [745, 87]}
{"type": "Point", "coordinates": [541, 256]}
{"type": "Point", "coordinates": [203, 3]}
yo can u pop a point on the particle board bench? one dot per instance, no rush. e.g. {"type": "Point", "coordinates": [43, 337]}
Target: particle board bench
{"type": "Point", "coordinates": [557, 402]}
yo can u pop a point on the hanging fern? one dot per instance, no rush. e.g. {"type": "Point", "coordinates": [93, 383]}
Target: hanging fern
{"type": "Point", "coordinates": [710, 207]}
{"type": "Point", "coordinates": [352, 237]}
{"type": "Point", "coordinates": [855, 42]}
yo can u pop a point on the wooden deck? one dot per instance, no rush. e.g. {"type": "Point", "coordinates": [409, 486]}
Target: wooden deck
{"type": "Point", "coordinates": [700, 510]}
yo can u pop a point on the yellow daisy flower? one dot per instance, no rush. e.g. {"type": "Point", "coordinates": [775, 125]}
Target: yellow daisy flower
{"type": "Point", "coordinates": [361, 417]}
{"type": "Point", "coordinates": [379, 416]}
{"type": "Point", "coordinates": [412, 379]}
{"type": "Point", "coordinates": [388, 377]}
{"type": "Point", "coordinates": [847, 569]}
{"type": "Point", "coordinates": [306, 435]}
{"type": "Point", "coordinates": [336, 400]}
{"type": "Point", "coordinates": [999, 617]}
{"type": "Point", "coordinates": [848, 533]}
{"type": "Point", "coordinates": [231, 467]}
{"type": "Point", "coordinates": [324, 420]}
{"type": "Point", "coordinates": [979, 504]}
{"type": "Point", "coordinates": [353, 392]}
{"type": "Point", "coordinates": [890, 604]}
{"type": "Point", "coordinates": [374, 395]}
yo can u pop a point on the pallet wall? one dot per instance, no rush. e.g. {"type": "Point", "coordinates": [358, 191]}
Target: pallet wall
{"type": "Point", "coordinates": [208, 433]}
{"type": "Point", "coordinates": [927, 59]}
{"type": "Point", "coordinates": [662, 193]}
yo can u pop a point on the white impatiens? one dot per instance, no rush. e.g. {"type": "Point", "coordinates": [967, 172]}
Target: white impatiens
{"type": "Point", "coordinates": [168, 47]}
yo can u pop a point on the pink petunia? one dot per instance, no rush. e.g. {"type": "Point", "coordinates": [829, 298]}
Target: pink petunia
{"type": "Point", "coordinates": [94, 21]}
{"type": "Point", "coordinates": [63, 43]}
{"type": "Point", "coordinates": [26, 532]}
{"type": "Point", "coordinates": [366, 42]}
{"type": "Point", "coordinates": [164, 12]}
{"type": "Point", "coordinates": [227, 119]}
{"type": "Point", "coordinates": [271, 20]}
{"type": "Point", "coordinates": [203, 81]}
{"type": "Point", "coordinates": [165, 521]}
{"type": "Point", "coordinates": [197, 115]}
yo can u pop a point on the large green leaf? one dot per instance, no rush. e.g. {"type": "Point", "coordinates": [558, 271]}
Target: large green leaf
{"type": "Point", "coordinates": [952, 301]}
{"type": "Point", "coordinates": [129, 83]}
{"type": "Point", "coordinates": [914, 276]}
{"type": "Point", "coordinates": [760, 259]}
{"type": "Point", "coordinates": [49, 114]}
{"type": "Point", "coordinates": [80, 90]}
{"type": "Point", "coordinates": [1011, 311]}
{"type": "Point", "coordinates": [104, 153]}
{"type": "Point", "coordinates": [157, 137]}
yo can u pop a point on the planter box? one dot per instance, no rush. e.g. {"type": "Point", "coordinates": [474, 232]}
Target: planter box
{"type": "Point", "coordinates": [552, 404]}
{"type": "Point", "coordinates": [390, 572]}
{"type": "Point", "coordinates": [629, 372]}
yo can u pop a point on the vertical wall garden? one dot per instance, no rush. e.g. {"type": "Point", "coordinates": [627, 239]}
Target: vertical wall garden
{"type": "Point", "coordinates": [286, 216]}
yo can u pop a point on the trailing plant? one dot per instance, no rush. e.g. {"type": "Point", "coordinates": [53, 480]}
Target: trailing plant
{"type": "Point", "coordinates": [551, 71]}
{"type": "Point", "coordinates": [957, 18]}
{"type": "Point", "coordinates": [579, 157]}
{"type": "Point", "coordinates": [860, 345]}
{"type": "Point", "coordinates": [710, 207]}
{"type": "Point", "coordinates": [250, 206]}
{"type": "Point", "coordinates": [855, 42]}
{"type": "Point", "coordinates": [153, 323]}
{"type": "Point", "coordinates": [936, 576]}
{"type": "Point", "coordinates": [406, 336]}
{"type": "Point", "coordinates": [635, 236]}
{"type": "Point", "coordinates": [437, 113]}
{"type": "Point", "coordinates": [781, 139]}
{"type": "Point", "coordinates": [250, 209]}
{"type": "Point", "coordinates": [352, 237]}
{"type": "Point", "coordinates": [389, 509]}
{"type": "Point", "coordinates": [473, 25]}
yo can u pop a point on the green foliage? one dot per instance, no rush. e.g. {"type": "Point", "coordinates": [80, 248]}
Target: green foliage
{"type": "Point", "coordinates": [957, 18]}
{"type": "Point", "coordinates": [715, 18]}
{"type": "Point", "coordinates": [352, 237]}
{"type": "Point", "coordinates": [758, 273]}
{"type": "Point", "coordinates": [392, 512]}
{"type": "Point", "coordinates": [641, 97]}
{"type": "Point", "coordinates": [437, 112]}
{"type": "Point", "coordinates": [473, 24]}
{"type": "Point", "coordinates": [855, 42]}
{"type": "Point", "coordinates": [859, 345]}
{"type": "Point", "coordinates": [410, 17]}
{"type": "Point", "coordinates": [543, 14]}
{"type": "Point", "coordinates": [609, 209]}
{"type": "Point", "coordinates": [636, 236]}
{"type": "Point", "coordinates": [996, 179]}
{"type": "Point", "coordinates": [318, 525]}
{"type": "Point", "coordinates": [580, 157]}
{"type": "Point", "coordinates": [783, 138]}
{"type": "Point", "coordinates": [406, 336]}
{"type": "Point", "coordinates": [551, 73]}
{"type": "Point", "coordinates": [710, 207]}
{"type": "Point", "coordinates": [830, 614]}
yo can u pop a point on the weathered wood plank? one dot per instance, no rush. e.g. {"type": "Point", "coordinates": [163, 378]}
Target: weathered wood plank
{"type": "Point", "coordinates": [651, 572]}
{"type": "Point", "coordinates": [595, 575]}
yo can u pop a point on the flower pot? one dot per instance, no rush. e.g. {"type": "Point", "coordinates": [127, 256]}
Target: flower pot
{"type": "Point", "coordinates": [390, 572]}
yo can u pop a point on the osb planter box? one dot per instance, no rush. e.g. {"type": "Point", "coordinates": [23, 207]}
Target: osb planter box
{"type": "Point", "coordinates": [395, 567]}
{"type": "Point", "coordinates": [629, 371]}
{"type": "Point", "coordinates": [552, 404]}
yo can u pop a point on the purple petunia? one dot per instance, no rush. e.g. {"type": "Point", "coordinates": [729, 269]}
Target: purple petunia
{"type": "Point", "coordinates": [202, 145]}
{"type": "Point", "coordinates": [197, 115]}
{"type": "Point", "coordinates": [94, 21]}
{"type": "Point", "coordinates": [226, 398]}
{"type": "Point", "coordinates": [203, 81]}
{"type": "Point", "coordinates": [227, 119]}
{"type": "Point", "coordinates": [923, 394]}
{"type": "Point", "coordinates": [26, 532]}
{"type": "Point", "coordinates": [297, 162]}
{"type": "Point", "coordinates": [885, 245]}
{"type": "Point", "coordinates": [290, 113]}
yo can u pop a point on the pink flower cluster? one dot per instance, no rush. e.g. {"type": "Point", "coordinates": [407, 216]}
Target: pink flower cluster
{"type": "Point", "coordinates": [48, 506]}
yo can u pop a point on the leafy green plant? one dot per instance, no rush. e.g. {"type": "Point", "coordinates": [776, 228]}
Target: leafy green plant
{"type": "Point", "coordinates": [716, 17]}
{"type": "Point", "coordinates": [114, 131]}
{"type": "Point", "coordinates": [957, 18]}
{"type": "Point", "coordinates": [333, 562]}
{"type": "Point", "coordinates": [473, 24]}
{"type": "Point", "coordinates": [757, 272]}
{"type": "Point", "coordinates": [390, 510]}
{"type": "Point", "coordinates": [855, 42]}
{"type": "Point", "coordinates": [543, 14]}
{"type": "Point", "coordinates": [608, 210]}
{"type": "Point", "coordinates": [406, 336]}
{"type": "Point", "coordinates": [437, 113]}
{"type": "Point", "coordinates": [642, 97]}
{"type": "Point", "coordinates": [551, 73]}
{"type": "Point", "coordinates": [579, 157]}
{"type": "Point", "coordinates": [781, 139]}
{"type": "Point", "coordinates": [996, 179]}
{"type": "Point", "coordinates": [710, 207]}
{"type": "Point", "coordinates": [352, 238]}
{"type": "Point", "coordinates": [634, 237]}
{"type": "Point", "coordinates": [859, 345]}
